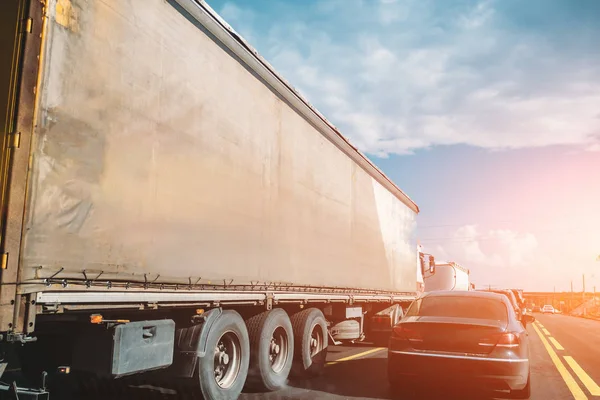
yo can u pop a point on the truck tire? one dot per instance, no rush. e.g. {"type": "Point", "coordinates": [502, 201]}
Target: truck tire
{"type": "Point", "coordinates": [271, 350]}
{"type": "Point", "coordinates": [222, 371]}
{"type": "Point", "coordinates": [310, 343]}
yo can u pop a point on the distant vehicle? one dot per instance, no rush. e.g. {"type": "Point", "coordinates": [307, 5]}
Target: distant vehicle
{"type": "Point", "coordinates": [519, 296]}
{"type": "Point", "coordinates": [425, 266]}
{"type": "Point", "coordinates": [447, 276]}
{"type": "Point", "coordinates": [511, 297]}
{"type": "Point", "coordinates": [462, 335]}
{"type": "Point", "coordinates": [548, 309]}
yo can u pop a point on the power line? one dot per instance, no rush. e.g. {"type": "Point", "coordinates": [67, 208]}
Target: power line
{"type": "Point", "coordinates": [463, 224]}
{"type": "Point", "coordinates": [488, 237]}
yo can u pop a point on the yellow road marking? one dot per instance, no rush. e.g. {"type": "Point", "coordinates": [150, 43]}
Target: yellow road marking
{"type": "Point", "coordinates": [539, 323]}
{"type": "Point", "coordinates": [583, 376]}
{"type": "Point", "coordinates": [352, 357]}
{"type": "Point", "coordinates": [562, 370]}
{"type": "Point", "coordinates": [545, 331]}
{"type": "Point", "coordinates": [555, 343]}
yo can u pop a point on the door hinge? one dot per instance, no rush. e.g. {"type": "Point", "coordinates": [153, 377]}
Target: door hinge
{"type": "Point", "coordinates": [14, 140]}
{"type": "Point", "coordinates": [28, 25]}
{"type": "Point", "coordinates": [4, 261]}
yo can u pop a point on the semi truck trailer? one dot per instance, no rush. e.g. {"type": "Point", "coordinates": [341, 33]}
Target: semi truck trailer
{"type": "Point", "coordinates": [170, 203]}
{"type": "Point", "coordinates": [447, 276]}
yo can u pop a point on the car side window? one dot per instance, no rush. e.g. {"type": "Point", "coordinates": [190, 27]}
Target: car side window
{"type": "Point", "coordinates": [413, 309]}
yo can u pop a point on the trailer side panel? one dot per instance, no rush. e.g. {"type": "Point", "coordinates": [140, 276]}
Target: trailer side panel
{"type": "Point", "coordinates": [158, 153]}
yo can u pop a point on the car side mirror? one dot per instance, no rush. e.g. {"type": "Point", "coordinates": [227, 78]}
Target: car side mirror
{"type": "Point", "coordinates": [527, 319]}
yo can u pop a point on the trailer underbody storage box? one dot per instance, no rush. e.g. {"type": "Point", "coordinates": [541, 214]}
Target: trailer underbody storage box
{"type": "Point", "coordinates": [126, 348]}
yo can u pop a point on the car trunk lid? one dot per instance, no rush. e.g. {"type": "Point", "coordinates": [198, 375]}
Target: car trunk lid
{"type": "Point", "coordinates": [454, 335]}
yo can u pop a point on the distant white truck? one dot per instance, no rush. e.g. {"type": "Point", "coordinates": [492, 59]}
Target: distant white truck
{"type": "Point", "coordinates": [447, 276]}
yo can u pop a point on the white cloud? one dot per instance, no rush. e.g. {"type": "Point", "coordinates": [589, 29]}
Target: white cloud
{"type": "Point", "coordinates": [400, 76]}
{"type": "Point", "coordinates": [493, 256]}
{"type": "Point", "coordinates": [392, 11]}
{"type": "Point", "coordinates": [520, 247]}
{"type": "Point", "coordinates": [477, 16]}
{"type": "Point", "coordinates": [232, 13]}
{"type": "Point", "coordinates": [594, 147]}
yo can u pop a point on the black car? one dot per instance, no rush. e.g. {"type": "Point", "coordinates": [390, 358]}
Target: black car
{"type": "Point", "coordinates": [465, 336]}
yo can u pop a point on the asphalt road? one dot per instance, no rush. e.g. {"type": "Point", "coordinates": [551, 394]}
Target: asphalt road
{"type": "Point", "coordinates": [565, 364]}
{"type": "Point", "coordinates": [552, 338]}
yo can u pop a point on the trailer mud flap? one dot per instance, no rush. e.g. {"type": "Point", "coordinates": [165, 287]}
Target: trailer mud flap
{"type": "Point", "coordinates": [191, 343]}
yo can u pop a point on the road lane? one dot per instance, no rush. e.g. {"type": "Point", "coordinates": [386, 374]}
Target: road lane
{"type": "Point", "coordinates": [589, 383]}
{"type": "Point", "coordinates": [580, 339]}
{"type": "Point", "coordinates": [558, 363]}
{"type": "Point", "coordinates": [362, 354]}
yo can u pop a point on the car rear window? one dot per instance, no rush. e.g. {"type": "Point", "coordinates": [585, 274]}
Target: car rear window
{"type": "Point", "coordinates": [459, 307]}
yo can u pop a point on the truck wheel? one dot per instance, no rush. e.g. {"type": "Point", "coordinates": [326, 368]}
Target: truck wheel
{"type": "Point", "coordinates": [271, 350]}
{"type": "Point", "coordinates": [310, 342]}
{"type": "Point", "coordinates": [223, 370]}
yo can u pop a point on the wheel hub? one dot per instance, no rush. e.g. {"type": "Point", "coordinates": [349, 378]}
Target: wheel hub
{"type": "Point", "coordinates": [316, 341]}
{"type": "Point", "coordinates": [226, 359]}
{"type": "Point", "coordinates": [313, 343]}
{"type": "Point", "coordinates": [278, 349]}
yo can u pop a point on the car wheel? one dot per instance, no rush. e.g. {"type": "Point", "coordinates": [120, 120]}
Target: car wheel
{"type": "Point", "coordinates": [524, 393]}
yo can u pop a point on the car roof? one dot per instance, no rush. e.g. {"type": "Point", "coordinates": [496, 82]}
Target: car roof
{"type": "Point", "coordinates": [474, 294]}
{"type": "Point", "coordinates": [464, 293]}
{"type": "Point", "coordinates": [503, 291]}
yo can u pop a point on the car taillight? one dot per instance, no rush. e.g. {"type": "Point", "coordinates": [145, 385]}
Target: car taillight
{"type": "Point", "coordinates": [508, 340]}
{"type": "Point", "coordinates": [382, 319]}
{"type": "Point", "coordinates": [409, 334]}
{"type": "Point", "coordinates": [503, 340]}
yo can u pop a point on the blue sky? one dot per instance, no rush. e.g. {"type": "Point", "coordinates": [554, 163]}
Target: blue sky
{"type": "Point", "coordinates": [487, 113]}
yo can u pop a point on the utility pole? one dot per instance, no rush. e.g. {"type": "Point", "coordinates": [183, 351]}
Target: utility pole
{"type": "Point", "coordinates": [583, 296]}
{"type": "Point", "coordinates": [571, 299]}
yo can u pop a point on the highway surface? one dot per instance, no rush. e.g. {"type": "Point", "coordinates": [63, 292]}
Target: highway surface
{"type": "Point", "coordinates": [565, 364]}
